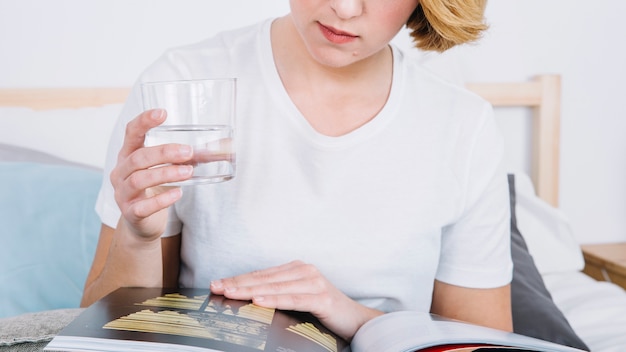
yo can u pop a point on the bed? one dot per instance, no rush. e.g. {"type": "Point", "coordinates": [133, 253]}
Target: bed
{"type": "Point", "coordinates": [52, 148]}
{"type": "Point", "coordinates": [595, 310]}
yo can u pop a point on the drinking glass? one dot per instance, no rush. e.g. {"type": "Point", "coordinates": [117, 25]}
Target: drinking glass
{"type": "Point", "coordinates": [200, 113]}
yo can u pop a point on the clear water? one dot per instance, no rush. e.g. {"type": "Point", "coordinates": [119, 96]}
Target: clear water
{"type": "Point", "coordinates": [214, 157]}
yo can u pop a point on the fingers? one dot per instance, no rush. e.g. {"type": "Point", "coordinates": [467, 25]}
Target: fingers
{"type": "Point", "coordinates": [141, 170]}
{"type": "Point", "coordinates": [136, 130]}
{"type": "Point", "coordinates": [145, 169]}
{"type": "Point", "coordinates": [290, 286]}
{"type": "Point", "coordinates": [142, 208]}
{"type": "Point", "coordinates": [138, 199]}
{"type": "Point", "coordinates": [270, 275]}
{"type": "Point", "coordinates": [153, 166]}
{"type": "Point", "coordinates": [301, 287]}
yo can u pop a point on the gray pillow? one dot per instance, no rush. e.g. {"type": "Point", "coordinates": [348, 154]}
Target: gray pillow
{"type": "Point", "coordinates": [534, 312]}
{"type": "Point", "coordinates": [13, 153]}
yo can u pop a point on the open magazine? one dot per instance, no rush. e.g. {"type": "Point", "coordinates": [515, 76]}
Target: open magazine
{"type": "Point", "coordinates": [188, 319]}
{"type": "Point", "coordinates": [417, 331]}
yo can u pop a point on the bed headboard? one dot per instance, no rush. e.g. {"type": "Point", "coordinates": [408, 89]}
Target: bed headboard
{"type": "Point", "coordinates": [62, 98]}
{"type": "Point", "coordinates": [542, 94]}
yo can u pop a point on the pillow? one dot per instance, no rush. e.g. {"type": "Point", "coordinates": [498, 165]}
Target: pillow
{"type": "Point", "coordinates": [79, 135]}
{"type": "Point", "coordinates": [534, 312]}
{"type": "Point", "coordinates": [14, 153]}
{"type": "Point", "coordinates": [49, 234]}
{"type": "Point", "coordinates": [546, 230]}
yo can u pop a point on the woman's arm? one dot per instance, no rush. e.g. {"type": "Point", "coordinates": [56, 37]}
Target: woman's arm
{"type": "Point", "coordinates": [119, 263]}
{"type": "Point", "coordinates": [133, 254]}
{"type": "Point", "coordinates": [487, 307]}
{"type": "Point", "coordinates": [122, 260]}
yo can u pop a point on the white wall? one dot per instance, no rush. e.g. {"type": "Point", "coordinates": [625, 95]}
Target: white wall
{"type": "Point", "coordinates": [583, 41]}
{"type": "Point", "coordinates": [47, 43]}
{"type": "Point", "coordinates": [107, 42]}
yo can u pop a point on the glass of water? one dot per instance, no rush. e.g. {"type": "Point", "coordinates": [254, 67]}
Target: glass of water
{"type": "Point", "coordinates": [200, 113]}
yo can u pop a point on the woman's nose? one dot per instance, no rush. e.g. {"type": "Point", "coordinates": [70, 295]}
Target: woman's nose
{"type": "Point", "coordinates": [346, 9]}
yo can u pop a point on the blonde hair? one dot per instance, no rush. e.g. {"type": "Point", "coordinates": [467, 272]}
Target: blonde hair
{"type": "Point", "coordinates": [438, 25]}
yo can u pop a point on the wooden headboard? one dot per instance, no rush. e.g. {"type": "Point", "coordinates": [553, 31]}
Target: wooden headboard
{"type": "Point", "coordinates": [62, 98]}
{"type": "Point", "coordinates": [542, 94]}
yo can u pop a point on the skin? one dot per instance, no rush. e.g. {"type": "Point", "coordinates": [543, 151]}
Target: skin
{"type": "Point", "coordinates": [335, 62]}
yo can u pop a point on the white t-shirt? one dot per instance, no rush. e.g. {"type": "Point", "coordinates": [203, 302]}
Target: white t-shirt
{"type": "Point", "coordinates": [414, 195]}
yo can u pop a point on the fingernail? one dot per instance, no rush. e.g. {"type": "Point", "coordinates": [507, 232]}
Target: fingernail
{"type": "Point", "coordinates": [185, 150]}
{"type": "Point", "coordinates": [230, 289]}
{"type": "Point", "coordinates": [216, 284]}
{"type": "Point", "coordinates": [185, 170]}
{"type": "Point", "coordinates": [176, 193]}
{"type": "Point", "coordinates": [156, 114]}
{"type": "Point", "coordinates": [258, 298]}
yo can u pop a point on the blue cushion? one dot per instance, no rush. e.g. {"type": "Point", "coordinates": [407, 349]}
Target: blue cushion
{"type": "Point", "coordinates": [48, 234]}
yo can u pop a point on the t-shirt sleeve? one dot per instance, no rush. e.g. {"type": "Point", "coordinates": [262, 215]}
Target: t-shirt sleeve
{"type": "Point", "coordinates": [475, 249]}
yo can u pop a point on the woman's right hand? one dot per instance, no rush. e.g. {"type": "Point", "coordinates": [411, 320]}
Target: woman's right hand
{"type": "Point", "coordinates": [140, 172]}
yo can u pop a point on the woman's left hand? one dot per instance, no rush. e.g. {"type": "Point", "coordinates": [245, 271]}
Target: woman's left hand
{"type": "Point", "coordinates": [300, 287]}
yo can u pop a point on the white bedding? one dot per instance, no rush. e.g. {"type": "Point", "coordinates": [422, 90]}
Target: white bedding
{"type": "Point", "coordinates": [595, 310]}
{"type": "Point", "coordinates": [546, 230]}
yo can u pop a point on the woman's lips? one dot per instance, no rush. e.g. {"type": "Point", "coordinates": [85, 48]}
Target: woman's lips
{"type": "Point", "coordinates": [336, 36]}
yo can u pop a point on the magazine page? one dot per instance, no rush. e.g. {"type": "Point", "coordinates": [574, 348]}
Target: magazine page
{"type": "Point", "coordinates": [412, 331]}
{"type": "Point", "coordinates": [156, 319]}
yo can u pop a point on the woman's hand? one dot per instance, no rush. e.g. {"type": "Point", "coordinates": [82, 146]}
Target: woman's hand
{"type": "Point", "coordinates": [139, 172]}
{"type": "Point", "coordinates": [300, 287]}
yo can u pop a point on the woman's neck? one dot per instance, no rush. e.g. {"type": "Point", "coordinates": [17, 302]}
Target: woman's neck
{"type": "Point", "coordinates": [335, 100]}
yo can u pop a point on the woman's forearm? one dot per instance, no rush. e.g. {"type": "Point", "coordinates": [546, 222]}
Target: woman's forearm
{"type": "Point", "coordinates": [122, 260]}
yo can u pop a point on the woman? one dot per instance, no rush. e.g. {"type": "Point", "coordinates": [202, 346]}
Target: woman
{"type": "Point", "coordinates": [365, 184]}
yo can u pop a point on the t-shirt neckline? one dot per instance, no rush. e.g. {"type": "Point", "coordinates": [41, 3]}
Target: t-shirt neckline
{"type": "Point", "coordinates": [297, 119]}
